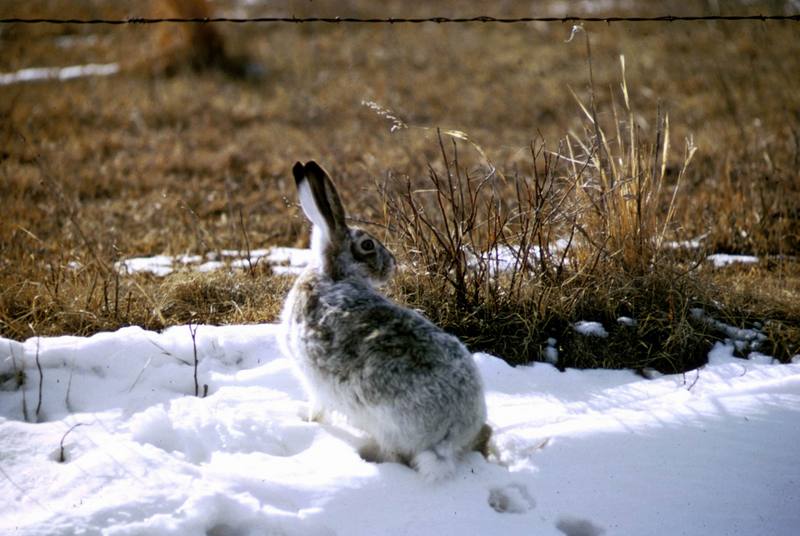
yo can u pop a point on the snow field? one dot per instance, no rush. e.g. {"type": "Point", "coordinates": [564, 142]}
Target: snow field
{"type": "Point", "coordinates": [37, 74]}
{"type": "Point", "coordinates": [575, 452]}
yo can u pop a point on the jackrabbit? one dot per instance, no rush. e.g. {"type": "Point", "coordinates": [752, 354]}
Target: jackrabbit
{"type": "Point", "coordinates": [394, 374]}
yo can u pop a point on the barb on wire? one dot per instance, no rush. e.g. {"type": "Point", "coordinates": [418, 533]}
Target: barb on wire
{"type": "Point", "coordinates": [395, 20]}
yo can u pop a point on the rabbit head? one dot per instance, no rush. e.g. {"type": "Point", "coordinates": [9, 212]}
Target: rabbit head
{"type": "Point", "coordinates": [341, 251]}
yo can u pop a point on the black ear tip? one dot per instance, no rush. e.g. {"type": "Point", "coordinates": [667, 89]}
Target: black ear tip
{"type": "Point", "coordinates": [298, 171]}
{"type": "Point", "coordinates": [313, 168]}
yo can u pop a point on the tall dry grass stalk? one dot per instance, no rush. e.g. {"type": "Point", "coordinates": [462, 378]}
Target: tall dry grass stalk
{"type": "Point", "coordinates": [621, 198]}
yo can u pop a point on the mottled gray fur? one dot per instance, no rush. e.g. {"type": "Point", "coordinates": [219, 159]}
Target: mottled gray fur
{"type": "Point", "coordinates": [414, 388]}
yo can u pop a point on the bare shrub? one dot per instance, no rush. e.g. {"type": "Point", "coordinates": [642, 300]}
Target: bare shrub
{"type": "Point", "coordinates": [509, 262]}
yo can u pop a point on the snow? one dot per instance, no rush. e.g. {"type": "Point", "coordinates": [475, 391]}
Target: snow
{"type": "Point", "coordinates": [574, 452]}
{"type": "Point", "coordinates": [694, 243]}
{"type": "Point", "coordinates": [159, 265]}
{"type": "Point", "coordinates": [590, 328]}
{"type": "Point", "coordinates": [36, 74]}
{"type": "Point", "coordinates": [627, 321]}
{"type": "Point", "coordinates": [743, 339]}
{"type": "Point", "coordinates": [721, 260]}
{"type": "Point", "coordinates": [551, 352]}
{"type": "Point", "coordinates": [283, 260]}
{"type": "Point", "coordinates": [505, 258]}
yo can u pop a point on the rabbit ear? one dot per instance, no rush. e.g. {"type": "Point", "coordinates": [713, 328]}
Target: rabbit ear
{"type": "Point", "coordinates": [319, 199]}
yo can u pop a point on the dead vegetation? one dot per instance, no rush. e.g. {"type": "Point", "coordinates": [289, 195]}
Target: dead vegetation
{"type": "Point", "coordinates": [179, 154]}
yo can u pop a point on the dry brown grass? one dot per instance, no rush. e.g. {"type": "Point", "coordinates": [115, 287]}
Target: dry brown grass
{"type": "Point", "coordinates": [82, 301]}
{"type": "Point", "coordinates": [527, 292]}
{"type": "Point", "coordinates": [160, 160]}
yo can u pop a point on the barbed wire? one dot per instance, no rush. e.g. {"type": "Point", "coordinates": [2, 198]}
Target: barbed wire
{"type": "Point", "coordinates": [396, 20]}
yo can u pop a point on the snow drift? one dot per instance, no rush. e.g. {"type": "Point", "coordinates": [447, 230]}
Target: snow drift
{"type": "Point", "coordinates": [576, 452]}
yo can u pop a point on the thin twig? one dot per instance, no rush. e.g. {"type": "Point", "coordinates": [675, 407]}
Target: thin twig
{"type": "Point", "coordinates": [250, 265]}
{"type": "Point", "coordinates": [61, 456]}
{"type": "Point", "coordinates": [41, 377]}
{"type": "Point", "coordinates": [193, 331]}
{"type": "Point", "coordinates": [697, 377]}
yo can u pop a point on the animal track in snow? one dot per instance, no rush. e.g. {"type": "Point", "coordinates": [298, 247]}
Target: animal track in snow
{"type": "Point", "coordinates": [511, 499]}
{"type": "Point", "coordinates": [572, 526]}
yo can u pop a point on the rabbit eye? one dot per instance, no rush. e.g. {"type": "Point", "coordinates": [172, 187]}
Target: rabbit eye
{"type": "Point", "coordinates": [367, 245]}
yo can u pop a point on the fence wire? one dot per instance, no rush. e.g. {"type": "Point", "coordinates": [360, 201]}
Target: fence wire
{"type": "Point", "coordinates": [394, 20]}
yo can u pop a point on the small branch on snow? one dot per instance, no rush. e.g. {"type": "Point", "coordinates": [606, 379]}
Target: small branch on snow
{"type": "Point", "coordinates": [193, 331]}
{"type": "Point", "coordinates": [141, 372]}
{"type": "Point", "coordinates": [695, 379]}
{"type": "Point", "coordinates": [167, 352]}
{"type": "Point", "coordinates": [61, 456]}
{"type": "Point", "coordinates": [41, 374]}
{"type": "Point", "coordinates": [251, 266]}
{"type": "Point", "coordinates": [69, 385]}
{"type": "Point", "coordinates": [41, 379]}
